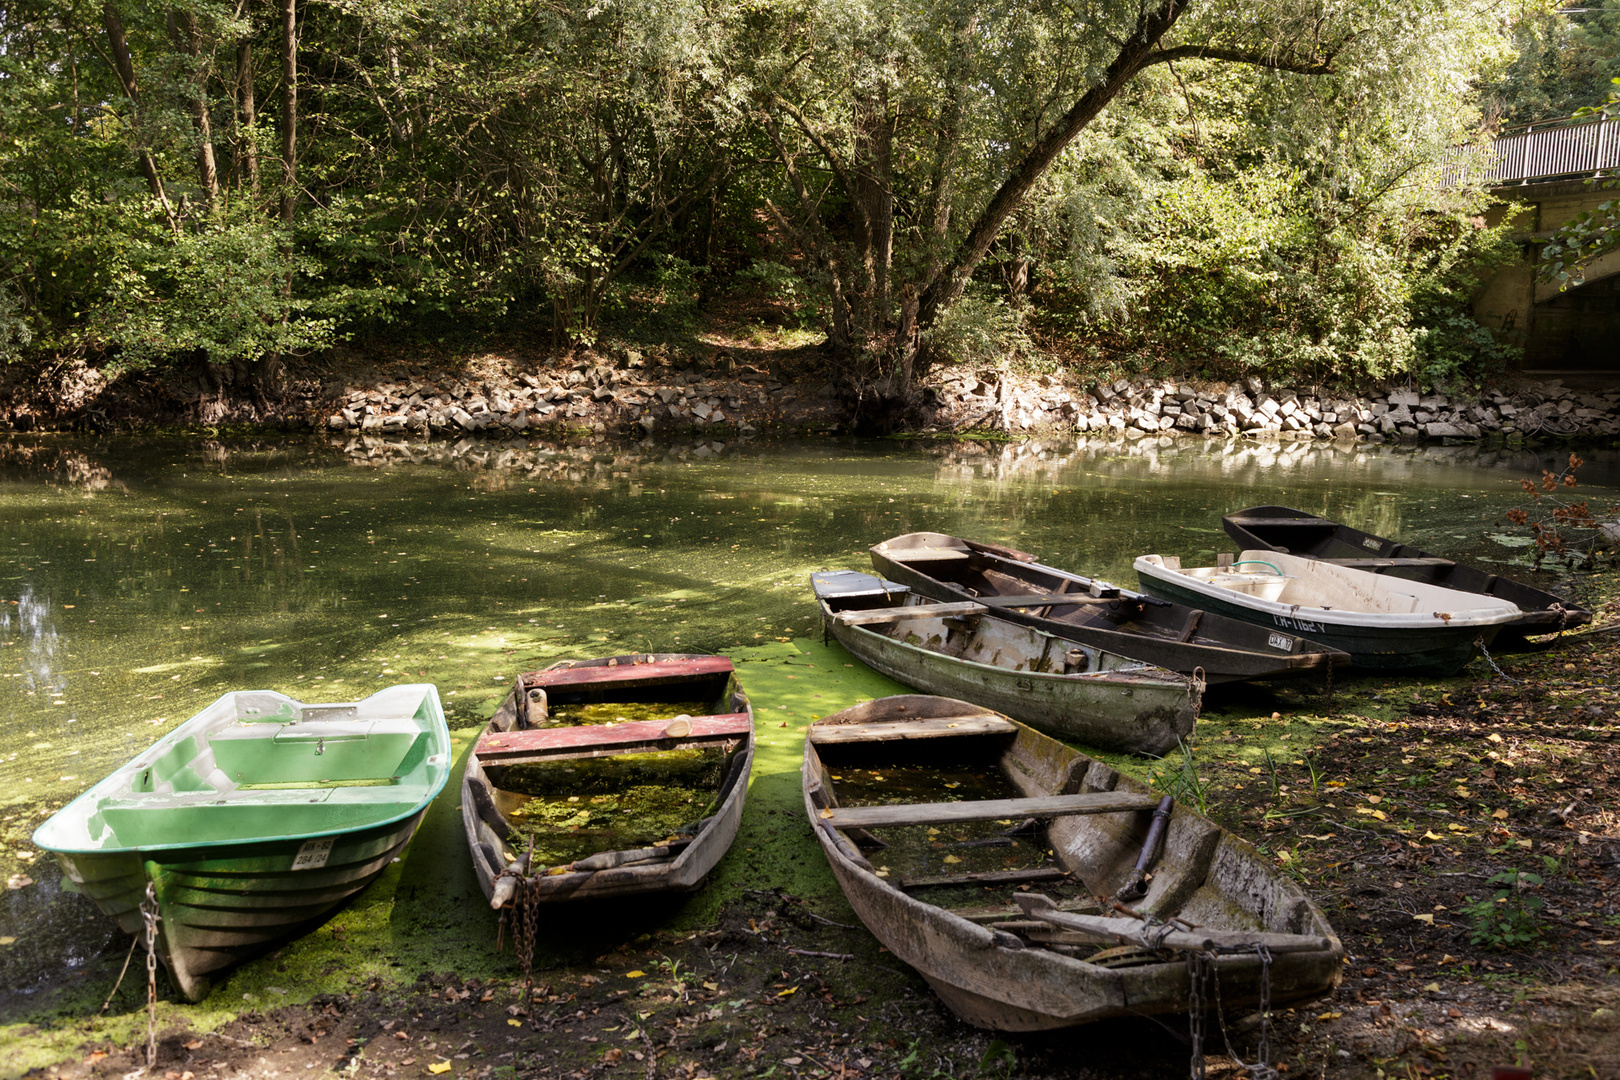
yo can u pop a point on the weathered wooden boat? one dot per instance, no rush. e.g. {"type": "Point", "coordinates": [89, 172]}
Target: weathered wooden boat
{"type": "Point", "coordinates": [1060, 684]}
{"type": "Point", "coordinates": [1017, 588]}
{"type": "Point", "coordinates": [608, 777]}
{"type": "Point", "coordinates": [249, 823]}
{"type": "Point", "coordinates": [1384, 623]}
{"type": "Point", "coordinates": [1282, 528]}
{"type": "Point", "coordinates": [1012, 960]}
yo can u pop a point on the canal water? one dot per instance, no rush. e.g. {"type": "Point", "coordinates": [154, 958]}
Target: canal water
{"type": "Point", "coordinates": [139, 579]}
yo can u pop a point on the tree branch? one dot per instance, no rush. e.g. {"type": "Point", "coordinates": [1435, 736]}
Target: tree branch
{"type": "Point", "coordinates": [1322, 66]}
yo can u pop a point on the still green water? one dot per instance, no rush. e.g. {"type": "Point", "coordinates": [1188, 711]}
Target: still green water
{"type": "Point", "coordinates": [140, 579]}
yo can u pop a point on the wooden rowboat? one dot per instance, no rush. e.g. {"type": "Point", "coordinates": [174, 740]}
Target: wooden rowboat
{"type": "Point", "coordinates": [1017, 588]}
{"type": "Point", "coordinates": [1384, 623]}
{"type": "Point", "coordinates": [1282, 528]}
{"type": "Point", "coordinates": [1012, 960]}
{"type": "Point", "coordinates": [1060, 684]}
{"type": "Point", "coordinates": [249, 823]}
{"type": "Point", "coordinates": [608, 777]}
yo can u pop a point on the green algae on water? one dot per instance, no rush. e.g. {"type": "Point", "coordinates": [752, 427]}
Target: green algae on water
{"type": "Point", "coordinates": [571, 809]}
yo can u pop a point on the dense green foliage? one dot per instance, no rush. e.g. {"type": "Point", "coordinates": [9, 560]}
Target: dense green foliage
{"type": "Point", "coordinates": [1205, 185]}
{"type": "Point", "coordinates": [1567, 54]}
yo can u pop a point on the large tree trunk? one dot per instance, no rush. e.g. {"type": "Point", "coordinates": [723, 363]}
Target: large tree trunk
{"type": "Point", "coordinates": [246, 165]}
{"type": "Point", "coordinates": [289, 109]}
{"type": "Point", "coordinates": [189, 39]}
{"type": "Point", "coordinates": [124, 67]}
{"type": "Point", "coordinates": [947, 286]}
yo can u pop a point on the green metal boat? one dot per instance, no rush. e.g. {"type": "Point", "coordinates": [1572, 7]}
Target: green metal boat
{"type": "Point", "coordinates": [249, 823]}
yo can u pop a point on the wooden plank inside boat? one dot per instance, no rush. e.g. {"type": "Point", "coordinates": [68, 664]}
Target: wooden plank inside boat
{"type": "Point", "coordinates": [630, 674]}
{"type": "Point", "coordinates": [872, 817]}
{"type": "Point", "coordinates": [933, 728]}
{"type": "Point", "coordinates": [919, 611]}
{"type": "Point", "coordinates": [597, 740]}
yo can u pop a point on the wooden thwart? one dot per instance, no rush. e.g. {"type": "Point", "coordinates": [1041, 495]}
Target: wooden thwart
{"type": "Point", "coordinates": [598, 740]}
{"type": "Point", "coordinates": [1131, 931]}
{"type": "Point", "coordinates": [927, 554]}
{"type": "Point", "coordinates": [933, 728]}
{"type": "Point", "coordinates": [987, 877]}
{"type": "Point", "coordinates": [873, 817]}
{"type": "Point", "coordinates": [657, 671]}
{"type": "Point", "coordinates": [917, 611]}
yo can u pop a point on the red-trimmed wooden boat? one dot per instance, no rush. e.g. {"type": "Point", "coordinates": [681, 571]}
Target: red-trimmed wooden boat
{"type": "Point", "coordinates": [608, 777]}
{"type": "Point", "coordinates": [1295, 532]}
{"type": "Point", "coordinates": [1014, 960]}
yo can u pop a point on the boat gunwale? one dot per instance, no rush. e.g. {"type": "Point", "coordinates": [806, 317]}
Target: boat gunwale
{"type": "Point", "coordinates": [429, 791]}
{"type": "Point", "coordinates": [1461, 618]}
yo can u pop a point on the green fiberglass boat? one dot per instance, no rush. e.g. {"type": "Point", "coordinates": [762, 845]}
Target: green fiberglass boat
{"type": "Point", "coordinates": [249, 823]}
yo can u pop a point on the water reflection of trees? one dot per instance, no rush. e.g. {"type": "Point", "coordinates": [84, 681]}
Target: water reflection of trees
{"type": "Point", "coordinates": [54, 466]}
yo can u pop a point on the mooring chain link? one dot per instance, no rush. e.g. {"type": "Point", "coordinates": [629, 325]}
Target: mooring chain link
{"type": "Point", "coordinates": [1491, 660]}
{"type": "Point", "coordinates": [1199, 968]}
{"type": "Point", "coordinates": [1202, 972]}
{"type": "Point", "coordinates": [149, 916]}
{"type": "Point", "coordinates": [527, 911]}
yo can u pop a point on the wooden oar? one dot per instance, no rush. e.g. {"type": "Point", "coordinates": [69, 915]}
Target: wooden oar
{"type": "Point", "coordinates": [1132, 932]}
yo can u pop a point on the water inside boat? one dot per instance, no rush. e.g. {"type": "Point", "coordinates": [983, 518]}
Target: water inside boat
{"type": "Point", "coordinates": [932, 860]}
{"type": "Point", "coordinates": [574, 808]}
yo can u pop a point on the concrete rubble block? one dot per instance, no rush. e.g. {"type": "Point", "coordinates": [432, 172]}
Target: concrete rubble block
{"type": "Point", "coordinates": [1365, 428]}
{"type": "Point", "coordinates": [1269, 407]}
{"type": "Point", "coordinates": [1439, 429]}
{"type": "Point", "coordinates": [463, 417]}
{"type": "Point", "coordinates": [1408, 398]}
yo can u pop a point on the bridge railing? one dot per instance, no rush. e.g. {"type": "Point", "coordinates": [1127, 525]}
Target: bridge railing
{"type": "Point", "coordinates": [1567, 150]}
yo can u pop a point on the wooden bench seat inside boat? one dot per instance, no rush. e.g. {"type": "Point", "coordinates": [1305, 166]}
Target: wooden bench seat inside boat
{"type": "Point", "coordinates": [931, 728]}
{"type": "Point", "coordinates": [622, 676]}
{"type": "Point", "coordinates": [600, 740]}
{"type": "Point", "coordinates": [917, 611]}
{"type": "Point", "coordinates": [928, 554]}
{"type": "Point", "coordinates": [873, 817]}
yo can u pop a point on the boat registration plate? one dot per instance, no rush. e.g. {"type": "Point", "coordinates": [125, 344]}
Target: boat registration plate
{"type": "Point", "coordinates": [1283, 642]}
{"type": "Point", "coordinates": [313, 854]}
{"type": "Point", "coordinates": [1372, 543]}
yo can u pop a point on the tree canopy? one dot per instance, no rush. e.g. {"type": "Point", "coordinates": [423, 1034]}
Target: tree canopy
{"type": "Point", "coordinates": [1237, 185]}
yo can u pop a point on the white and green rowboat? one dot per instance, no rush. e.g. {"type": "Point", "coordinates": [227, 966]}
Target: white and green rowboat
{"type": "Point", "coordinates": [253, 820]}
